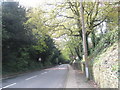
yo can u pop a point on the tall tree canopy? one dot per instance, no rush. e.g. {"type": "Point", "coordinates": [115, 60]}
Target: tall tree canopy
{"type": "Point", "coordinates": [26, 40]}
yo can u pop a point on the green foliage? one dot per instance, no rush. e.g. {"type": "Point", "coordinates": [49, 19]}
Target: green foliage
{"type": "Point", "coordinates": [115, 67]}
{"type": "Point", "coordinates": [25, 40]}
{"type": "Point", "coordinates": [65, 22]}
{"type": "Point", "coordinates": [13, 35]}
{"type": "Point", "coordinates": [26, 34]}
{"type": "Point", "coordinates": [105, 41]}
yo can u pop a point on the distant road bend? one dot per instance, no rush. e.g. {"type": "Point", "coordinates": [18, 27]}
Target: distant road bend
{"type": "Point", "coordinates": [48, 78]}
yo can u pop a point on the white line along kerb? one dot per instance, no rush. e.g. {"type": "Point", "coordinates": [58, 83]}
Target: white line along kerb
{"type": "Point", "coordinates": [9, 85]}
{"type": "Point", "coordinates": [31, 77]}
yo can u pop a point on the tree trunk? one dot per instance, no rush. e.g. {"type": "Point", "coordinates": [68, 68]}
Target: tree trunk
{"type": "Point", "coordinates": [77, 52]}
{"type": "Point", "coordinates": [93, 39]}
{"type": "Point", "coordinates": [87, 43]}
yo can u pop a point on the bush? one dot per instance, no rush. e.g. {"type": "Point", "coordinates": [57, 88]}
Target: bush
{"type": "Point", "coordinates": [105, 41]}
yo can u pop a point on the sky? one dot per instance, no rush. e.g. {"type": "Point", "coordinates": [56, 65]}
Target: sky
{"type": "Point", "coordinates": [30, 3]}
{"type": "Point", "coordinates": [34, 3]}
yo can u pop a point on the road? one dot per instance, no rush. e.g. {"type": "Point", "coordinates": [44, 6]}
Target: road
{"type": "Point", "coordinates": [48, 78]}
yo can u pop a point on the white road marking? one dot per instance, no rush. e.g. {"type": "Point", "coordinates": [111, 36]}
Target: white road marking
{"type": "Point", "coordinates": [44, 72]}
{"type": "Point", "coordinates": [9, 85]}
{"type": "Point", "coordinates": [31, 77]}
{"type": "Point", "coordinates": [60, 85]}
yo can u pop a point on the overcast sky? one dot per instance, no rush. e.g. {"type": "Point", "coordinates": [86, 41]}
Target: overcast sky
{"type": "Point", "coordinates": [34, 3]}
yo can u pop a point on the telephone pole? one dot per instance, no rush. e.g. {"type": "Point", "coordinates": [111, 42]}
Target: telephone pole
{"type": "Point", "coordinates": [84, 40]}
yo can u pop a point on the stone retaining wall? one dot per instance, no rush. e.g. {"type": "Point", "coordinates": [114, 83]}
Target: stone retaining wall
{"type": "Point", "coordinates": [105, 68]}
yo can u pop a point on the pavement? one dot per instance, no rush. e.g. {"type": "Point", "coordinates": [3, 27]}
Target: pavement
{"type": "Point", "coordinates": [76, 79]}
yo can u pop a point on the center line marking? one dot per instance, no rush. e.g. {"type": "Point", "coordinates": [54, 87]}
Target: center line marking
{"type": "Point", "coordinates": [9, 85]}
{"type": "Point", "coordinates": [44, 72]}
{"type": "Point", "coordinates": [31, 77]}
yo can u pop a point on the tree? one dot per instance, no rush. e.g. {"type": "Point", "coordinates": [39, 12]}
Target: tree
{"type": "Point", "coordinates": [45, 44]}
{"type": "Point", "coordinates": [16, 39]}
{"type": "Point", "coordinates": [13, 35]}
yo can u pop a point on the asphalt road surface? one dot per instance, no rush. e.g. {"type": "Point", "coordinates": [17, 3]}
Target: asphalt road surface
{"type": "Point", "coordinates": [48, 78]}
